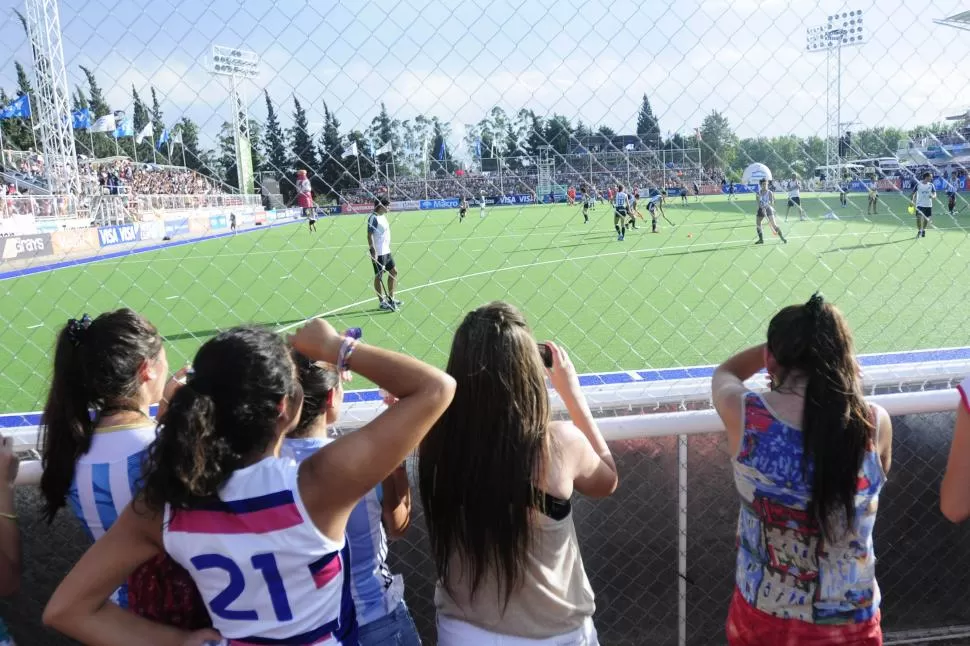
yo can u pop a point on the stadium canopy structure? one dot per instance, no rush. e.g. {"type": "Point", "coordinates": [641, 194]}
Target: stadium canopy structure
{"type": "Point", "coordinates": [958, 21]}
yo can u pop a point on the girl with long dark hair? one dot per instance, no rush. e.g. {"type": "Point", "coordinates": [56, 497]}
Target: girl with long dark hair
{"type": "Point", "coordinates": [496, 479]}
{"type": "Point", "coordinates": [810, 459]}
{"type": "Point", "coordinates": [262, 536]}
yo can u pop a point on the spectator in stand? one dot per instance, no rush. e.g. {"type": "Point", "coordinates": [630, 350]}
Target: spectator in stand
{"type": "Point", "coordinates": [9, 532]}
{"type": "Point", "coordinates": [496, 479]}
{"type": "Point", "coordinates": [218, 499]}
{"type": "Point", "coordinates": [116, 366]}
{"type": "Point", "coordinates": [385, 511]}
{"type": "Point", "coordinates": [810, 459]}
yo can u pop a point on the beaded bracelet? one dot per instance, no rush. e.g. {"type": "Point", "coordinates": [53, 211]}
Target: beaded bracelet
{"type": "Point", "coordinates": [350, 341]}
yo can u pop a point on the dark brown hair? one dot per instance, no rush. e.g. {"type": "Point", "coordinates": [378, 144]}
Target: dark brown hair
{"type": "Point", "coordinates": [814, 339]}
{"type": "Point", "coordinates": [95, 369]}
{"type": "Point", "coordinates": [480, 463]}
{"type": "Point", "coordinates": [317, 382]}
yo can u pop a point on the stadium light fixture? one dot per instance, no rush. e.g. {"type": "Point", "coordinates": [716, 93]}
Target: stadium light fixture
{"type": "Point", "coordinates": [845, 28]}
{"type": "Point", "coordinates": [238, 64]}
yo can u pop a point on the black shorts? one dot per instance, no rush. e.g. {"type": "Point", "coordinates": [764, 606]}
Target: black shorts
{"type": "Point", "coordinates": [382, 264]}
{"type": "Point", "coordinates": [925, 211]}
{"type": "Point", "coordinates": [620, 212]}
{"type": "Point", "coordinates": [310, 213]}
{"type": "Point", "coordinates": [795, 201]}
{"type": "Point", "coordinates": [461, 212]}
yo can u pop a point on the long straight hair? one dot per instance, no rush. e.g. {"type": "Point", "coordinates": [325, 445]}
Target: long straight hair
{"type": "Point", "coordinates": [837, 429]}
{"type": "Point", "coordinates": [480, 464]}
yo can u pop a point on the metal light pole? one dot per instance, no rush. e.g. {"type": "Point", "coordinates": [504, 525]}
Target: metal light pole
{"type": "Point", "coordinates": [841, 29]}
{"type": "Point", "coordinates": [238, 64]}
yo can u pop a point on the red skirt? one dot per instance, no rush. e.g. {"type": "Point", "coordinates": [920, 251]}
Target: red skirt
{"type": "Point", "coordinates": [163, 591]}
{"type": "Point", "coordinates": [748, 626]}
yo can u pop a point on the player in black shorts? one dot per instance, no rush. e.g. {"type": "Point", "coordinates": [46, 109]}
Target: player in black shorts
{"type": "Point", "coordinates": [634, 213]}
{"type": "Point", "coordinates": [587, 203]}
{"type": "Point", "coordinates": [951, 196]}
{"type": "Point", "coordinates": [232, 222]}
{"type": "Point", "coordinates": [379, 246]}
{"type": "Point", "coordinates": [462, 209]}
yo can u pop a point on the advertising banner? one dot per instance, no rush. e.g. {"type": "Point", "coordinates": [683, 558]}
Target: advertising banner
{"type": "Point", "coordinates": [218, 222]}
{"type": "Point", "coordinates": [889, 184]}
{"type": "Point", "coordinates": [199, 224]}
{"type": "Point", "coordinates": [17, 224]}
{"type": "Point", "coordinates": [512, 199]}
{"type": "Point", "coordinates": [179, 227]}
{"type": "Point", "coordinates": [30, 246]}
{"type": "Point", "coordinates": [447, 203]}
{"type": "Point", "coordinates": [75, 241]}
{"type": "Point", "coordinates": [366, 208]}
{"type": "Point", "coordinates": [151, 230]}
{"type": "Point", "coordinates": [246, 220]}
{"type": "Point", "coordinates": [742, 188]}
{"type": "Point", "coordinates": [406, 205]}
{"type": "Point", "coordinates": [122, 234]}
{"type": "Point", "coordinates": [710, 189]}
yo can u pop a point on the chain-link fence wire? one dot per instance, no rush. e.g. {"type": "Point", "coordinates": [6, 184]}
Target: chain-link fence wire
{"type": "Point", "coordinates": [630, 548]}
{"type": "Point", "coordinates": [425, 101]}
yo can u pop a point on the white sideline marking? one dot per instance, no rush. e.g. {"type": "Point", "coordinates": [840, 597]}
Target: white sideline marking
{"type": "Point", "coordinates": [168, 298]}
{"type": "Point", "coordinates": [658, 252]}
{"type": "Point", "coordinates": [34, 327]}
{"type": "Point", "coordinates": [635, 376]}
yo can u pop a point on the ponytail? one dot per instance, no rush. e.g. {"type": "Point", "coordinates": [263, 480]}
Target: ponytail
{"type": "Point", "coordinates": [96, 366]}
{"type": "Point", "coordinates": [224, 418]}
{"type": "Point", "coordinates": [837, 425]}
{"type": "Point", "coordinates": [66, 423]}
{"type": "Point", "coordinates": [201, 460]}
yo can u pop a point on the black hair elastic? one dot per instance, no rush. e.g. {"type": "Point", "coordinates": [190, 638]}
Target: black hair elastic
{"type": "Point", "coordinates": [76, 329]}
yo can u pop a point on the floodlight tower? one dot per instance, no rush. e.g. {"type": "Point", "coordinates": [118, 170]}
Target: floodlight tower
{"type": "Point", "coordinates": [841, 29]}
{"type": "Point", "coordinates": [53, 109]}
{"type": "Point", "coordinates": [238, 64]}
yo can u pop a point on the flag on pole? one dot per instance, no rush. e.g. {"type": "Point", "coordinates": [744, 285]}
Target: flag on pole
{"type": "Point", "coordinates": [177, 138]}
{"type": "Point", "coordinates": [147, 132]}
{"type": "Point", "coordinates": [81, 119]}
{"type": "Point", "coordinates": [478, 148]}
{"type": "Point", "coordinates": [352, 151]}
{"type": "Point", "coordinates": [19, 108]}
{"type": "Point", "coordinates": [441, 151]}
{"type": "Point", "coordinates": [104, 124]}
{"type": "Point", "coordinates": [697, 132]}
{"type": "Point", "coordinates": [163, 139]}
{"type": "Point", "coordinates": [125, 129]}
{"type": "Point", "coordinates": [386, 148]}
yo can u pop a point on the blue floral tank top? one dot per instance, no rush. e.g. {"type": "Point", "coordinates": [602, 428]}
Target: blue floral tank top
{"type": "Point", "coordinates": [784, 566]}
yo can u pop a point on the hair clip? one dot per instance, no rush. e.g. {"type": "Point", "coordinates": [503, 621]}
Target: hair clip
{"type": "Point", "coordinates": [76, 328]}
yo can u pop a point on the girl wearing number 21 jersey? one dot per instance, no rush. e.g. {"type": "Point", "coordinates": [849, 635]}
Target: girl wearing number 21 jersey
{"type": "Point", "coordinates": [262, 536]}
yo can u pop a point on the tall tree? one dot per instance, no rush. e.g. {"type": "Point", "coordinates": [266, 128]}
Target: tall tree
{"type": "Point", "coordinates": [648, 127]}
{"type": "Point", "coordinates": [558, 133]}
{"type": "Point", "coordinates": [301, 141]}
{"type": "Point", "coordinates": [383, 130]}
{"type": "Point", "coordinates": [274, 150]}
{"type": "Point", "coordinates": [17, 133]}
{"type": "Point", "coordinates": [442, 160]}
{"type": "Point", "coordinates": [140, 118]}
{"type": "Point", "coordinates": [78, 100]}
{"type": "Point", "coordinates": [196, 157]}
{"type": "Point", "coordinates": [606, 131]}
{"type": "Point", "coordinates": [331, 168]}
{"type": "Point", "coordinates": [158, 122]}
{"type": "Point", "coordinates": [718, 141]}
{"type": "Point", "coordinates": [99, 106]}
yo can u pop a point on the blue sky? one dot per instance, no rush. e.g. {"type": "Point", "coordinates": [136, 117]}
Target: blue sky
{"type": "Point", "coordinates": [590, 60]}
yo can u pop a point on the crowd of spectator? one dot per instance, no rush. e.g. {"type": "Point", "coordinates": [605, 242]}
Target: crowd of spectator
{"type": "Point", "coordinates": [124, 177]}
{"type": "Point", "coordinates": [237, 483]}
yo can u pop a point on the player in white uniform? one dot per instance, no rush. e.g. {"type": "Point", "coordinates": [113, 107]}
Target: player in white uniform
{"type": "Point", "coordinates": [655, 203]}
{"type": "Point", "coordinates": [262, 536]}
{"type": "Point", "coordinates": [766, 209]}
{"type": "Point", "coordinates": [794, 198]}
{"type": "Point", "coordinates": [621, 206]}
{"type": "Point", "coordinates": [481, 206]}
{"type": "Point", "coordinates": [922, 197]}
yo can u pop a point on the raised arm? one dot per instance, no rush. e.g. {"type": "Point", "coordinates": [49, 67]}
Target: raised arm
{"type": "Point", "coordinates": [727, 389]}
{"type": "Point", "coordinates": [955, 490]}
{"type": "Point", "coordinates": [337, 476]}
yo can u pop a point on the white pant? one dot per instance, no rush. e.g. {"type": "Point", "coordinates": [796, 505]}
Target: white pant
{"type": "Point", "coordinates": [454, 632]}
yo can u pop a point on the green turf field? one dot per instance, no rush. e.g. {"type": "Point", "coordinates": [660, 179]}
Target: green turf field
{"type": "Point", "coordinates": [688, 295]}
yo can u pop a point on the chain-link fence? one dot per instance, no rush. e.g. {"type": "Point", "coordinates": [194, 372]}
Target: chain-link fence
{"type": "Point", "coordinates": [630, 547]}
{"type": "Point", "coordinates": [150, 154]}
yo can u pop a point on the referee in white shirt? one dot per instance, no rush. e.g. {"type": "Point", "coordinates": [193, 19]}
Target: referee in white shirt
{"type": "Point", "coordinates": [379, 244]}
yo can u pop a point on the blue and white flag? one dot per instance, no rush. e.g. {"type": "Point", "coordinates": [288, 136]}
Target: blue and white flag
{"type": "Point", "coordinates": [18, 109]}
{"type": "Point", "coordinates": [104, 124]}
{"type": "Point", "coordinates": [163, 139]}
{"type": "Point", "coordinates": [478, 147]}
{"type": "Point", "coordinates": [125, 129]}
{"type": "Point", "coordinates": [81, 119]}
{"type": "Point", "coordinates": [441, 151]}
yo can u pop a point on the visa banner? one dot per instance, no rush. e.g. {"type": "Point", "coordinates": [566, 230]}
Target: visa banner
{"type": "Point", "coordinates": [120, 234]}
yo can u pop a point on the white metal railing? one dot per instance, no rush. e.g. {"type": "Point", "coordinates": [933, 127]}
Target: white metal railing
{"type": "Point", "coordinates": [43, 207]}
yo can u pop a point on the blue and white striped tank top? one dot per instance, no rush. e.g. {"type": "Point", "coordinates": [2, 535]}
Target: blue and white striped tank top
{"type": "Point", "coordinates": [105, 480]}
{"type": "Point", "coordinates": [376, 591]}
